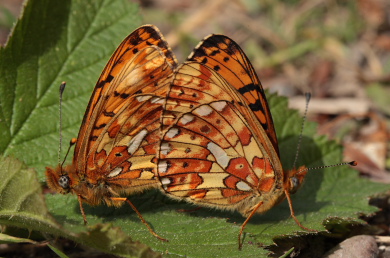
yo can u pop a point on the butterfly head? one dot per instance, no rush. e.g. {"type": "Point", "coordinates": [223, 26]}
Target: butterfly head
{"type": "Point", "coordinates": [64, 182]}
{"type": "Point", "coordinates": [59, 180]}
{"type": "Point", "coordinates": [294, 179]}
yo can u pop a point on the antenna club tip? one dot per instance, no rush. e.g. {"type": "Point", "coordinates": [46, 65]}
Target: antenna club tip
{"type": "Point", "coordinates": [73, 141]}
{"type": "Point", "coordinates": [62, 87]}
{"type": "Point", "coordinates": [353, 163]}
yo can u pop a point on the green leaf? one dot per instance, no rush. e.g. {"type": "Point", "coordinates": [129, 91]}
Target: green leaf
{"type": "Point", "coordinates": [55, 41]}
{"type": "Point", "coordinates": [57, 251]}
{"type": "Point", "coordinates": [22, 203]}
{"type": "Point", "coordinates": [71, 41]}
{"type": "Point", "coordinates": [4, 238]}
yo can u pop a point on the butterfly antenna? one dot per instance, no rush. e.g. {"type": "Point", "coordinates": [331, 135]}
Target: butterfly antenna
{"type": "Point", "coordinates": [308, 96]}
{"type": "Point", "coordinates": [72, 142]}
{"type": "Point", "coordinates": [351, 163]}
{"type": "Point", "coordinates": [62, 88]}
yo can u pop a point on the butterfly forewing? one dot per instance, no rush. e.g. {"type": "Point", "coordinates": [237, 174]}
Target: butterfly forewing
{"type": "Point", "coordinates": [223, 55]}
{"type": "Point", "coordinates": [118, 137]}
{"type": "Point", "coordinates": [141, 65]}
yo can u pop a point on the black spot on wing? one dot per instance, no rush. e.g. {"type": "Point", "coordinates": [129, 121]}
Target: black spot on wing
{"type": "Point", "coordinates": [109, 114]}
{"type": "Point", "coordinates": [121, 95]}
{"type": "Point", "coordinates": [215, 52]}
{"type": "Point", "coordinates": [103, 82]}
{"type": "Point", "coordinates": [93, 138]}
{"type": "Point", "coordinates": [152, 33]}
{"type": "Point", "coordinates": [249, 87]}
{"type": "Point", "coordinates": [135, 39]}
{"type": "Point", "coordinates": [109, 78]}
{"type": "Point", "coordinates": [199, 52]}
{"type": "Point", "coordinates": [100, 126]}
{"type": "Point", "coordinates": [162, 44]}
{"type": "Point", "coordinates": [211, 43]}
{"type": "Point", "coordinates": [124, 96]}
{"type": "Point", "coordinates": [169, 55]}
{"type": "Point", "coordinates": [256, 106]}
{"type": "Point", "coordinates": [100, 84]}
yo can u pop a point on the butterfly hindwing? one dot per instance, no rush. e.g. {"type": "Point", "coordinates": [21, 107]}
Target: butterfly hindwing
{"type": "Point", "coordinates": [209, 153]}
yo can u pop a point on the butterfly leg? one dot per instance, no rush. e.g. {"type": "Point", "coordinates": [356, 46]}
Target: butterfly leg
{"type": "Point", "coordinates": [140, 216]}
{"type": "Point", "coordinates": [246, 222]}
{"type": "Point", "coordinates": [293, 214]}
{"type": "Point", "coordinates": [82, 209]}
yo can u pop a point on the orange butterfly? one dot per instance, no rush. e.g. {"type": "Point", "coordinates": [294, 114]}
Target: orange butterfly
{"type": "Point", "coordinates": [219, 147]}
{"type": "Point", "coordinates": [118, 138]}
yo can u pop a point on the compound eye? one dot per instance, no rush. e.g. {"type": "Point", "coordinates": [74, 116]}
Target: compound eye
{"type": "Point", "coordinates": [294, 185]}
{"type": "Point", "coordinates": [64, 182]}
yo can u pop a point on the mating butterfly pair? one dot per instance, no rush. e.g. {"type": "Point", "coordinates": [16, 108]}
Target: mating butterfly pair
{"type": "Point", "coordinates": [201, 131]}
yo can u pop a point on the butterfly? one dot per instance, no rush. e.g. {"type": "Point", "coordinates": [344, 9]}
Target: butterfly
{"type": "Point", "coordinates": [115, 152]}
{"type": "Point", "coordinates": [219, 147]}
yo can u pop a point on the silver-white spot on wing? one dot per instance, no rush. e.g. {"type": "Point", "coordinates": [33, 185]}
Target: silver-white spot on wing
{"type": "Point", "coordinates": [187, 118]}
{"type": "Point", "coordinates": [243, 186]}
{"type": "Point", "coordinates": [136, 141]}
{"type": "Point", "coordinates": [219, 105]}
{"type": "Point", "coordinates": [165, 181]}
{"type": "Point", "coordinates": [158, 100]}
{"type": "Point", "coordinates": [204, 110]}
{"type": "Point", "coordinates": [162, 166]}
{"type": "Point", "coordinates": [165, 148]}
{"type": "Point", "coordinates": [142, 98]}
{"type": "Point", "coordinates": [173, 132]}
{"type": "Point", "coordinates": [116, 171]}
{"type": "Point", "coordinates": [219, 154]}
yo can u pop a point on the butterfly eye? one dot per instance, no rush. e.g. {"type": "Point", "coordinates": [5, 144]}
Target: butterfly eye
{"type": "Point", "coordinates": [64, 182]}
{"type": "Point", "coordinates": [294, 185]}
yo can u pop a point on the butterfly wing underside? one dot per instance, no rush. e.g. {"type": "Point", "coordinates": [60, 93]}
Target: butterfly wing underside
{"type": "Point", "coordinates": [118, 135]}
{"type": "Point", "coordinates": [211, 152]}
